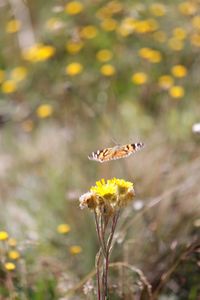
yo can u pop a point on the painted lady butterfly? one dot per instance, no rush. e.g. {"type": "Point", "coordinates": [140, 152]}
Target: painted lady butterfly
{"type": "Point", "coordinates": [115, 152]}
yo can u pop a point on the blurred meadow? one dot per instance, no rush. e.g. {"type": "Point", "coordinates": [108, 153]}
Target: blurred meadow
{"type": "Point", "coordinates": [75, 77]}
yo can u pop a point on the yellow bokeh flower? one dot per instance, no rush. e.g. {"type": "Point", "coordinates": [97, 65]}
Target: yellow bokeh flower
{"type": "Point", "coordinates": [165, 81]}
{"type": "Point", "coordinates": [196, 22]}
{"type": "Point", "coordinates": [89, 32]}
{"type": "Point", "coordinates": [127, 26]}
{"type": "Point", "coordinates": [139, 78]}
{"type": "Point", "coordinates": [109, 24]}
{"type": "Point", "coordinates": [107, 70]}
{"type": "Point", "coordinates": [74, 69]}
{"type": "Point", "coordinates": [2, 76]}
{"type": "Point", "coordinates": [160, 36]}
{"type": "Point", "coordinates": [195, 39]}
{"type": "Point", "coordinates": [38, 53]}
{"type": "Point", "coordinates": [9, 86]}
{"type": "Point", "coordinates": [179, 71]}
{"type": "Point", "coordinates": [151, 55]}
{"type": "Point", "coordinates": [63, 228]}
{"type": "Point", "coordinates": [75, 249]}
{"type": "Point", "coordinates": [157, 9]}
{"type": "Point", "coordinates": [13, 26]}
{"type": "Point", "coordinates": [179, 33]}
{"type": "Point", "coordinates": [44, 111]}
{"type": "Point", "coordinates": [74, 47]}
{"type": "Point", "coordinates": [9, 266]}
{"type": "Point", "coordinates": [176, 91]}
{"type": "Point", "coordinates": [146, 26]}
{"type": "Point", "coordinates": [187, 7]}
{"type": "Point", "coordinates": [175, 44]}
{"type": "Point", "coordinates": [14, 254]}
{"type": "Point", "coordinates": [74, 7]}
{"type": "Point", "coordinates": [18, 73]}
{"type": "Point", "coordinates": [3, 236]}
{"type": "Point", "coordinates": [104, 55]}
{"type": "Point", "coordinates": [12, 242]}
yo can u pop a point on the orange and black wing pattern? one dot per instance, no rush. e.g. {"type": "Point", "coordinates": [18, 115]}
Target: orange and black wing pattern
{"type": "Point", "coordinates": [116, 152]}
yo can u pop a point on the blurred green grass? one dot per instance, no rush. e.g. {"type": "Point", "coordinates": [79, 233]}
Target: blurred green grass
{"type": "Point", "coordinates": [51, 120]}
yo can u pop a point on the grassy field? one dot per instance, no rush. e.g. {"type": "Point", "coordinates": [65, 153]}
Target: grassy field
{"type": "Point", "coordinates": [75, 77]}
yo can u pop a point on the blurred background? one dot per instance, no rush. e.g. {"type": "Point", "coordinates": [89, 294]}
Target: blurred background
{"type": "Point", "coordinates": [75, 77]}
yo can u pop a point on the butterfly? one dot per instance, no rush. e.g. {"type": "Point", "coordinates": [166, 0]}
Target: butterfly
{"type": "Point", "coordinates": [116, 152]}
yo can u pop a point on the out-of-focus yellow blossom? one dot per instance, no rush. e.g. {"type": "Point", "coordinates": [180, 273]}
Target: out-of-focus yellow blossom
{"type": "Point", "coordinates": [114, 6]}
{"type": "Point", "coordinates": [176, 91]}
{"type": "Point", "coordinates": [104, 55]}
{"type": "Point", "coordinates": [27, 125]}
{"type": "Point", "coordinates": [8, 86]}
{"type": "Point", "coordinates": [12, 242]}
{"type": "Point", "coordinates": [2, 76]}
{"type": "Point", "coordinates": [89, 32]}
{"type": "Point", "coordinates": [109, 24]}
{"type": "Point", "coordinates": [165, 81]}
{"type": "Point", "coordinates": [18, 73]}
{"type": "Point", "coordinates": [179, 33]}
{"type": "Point", "coordinates": [179, 71]}
{"type": "Point", "coordinates": [151, 55]}
{"type": "Point", "coordinates": [146, 26]}
{"type": "Point", "coordinates": [13, 26]}
{"type": "Point", "coordinates": [157, 9]}
{"type": "Point", "coordinates": [38, 53]}
{"type": "Point", "coordinates": [3, 236]}
{"type": "Point", "coordinates": [63, 228]}
{"type": "Point", "coordinates": [74, 7]}
{"type": "Point", "coordinates": [139, 78]}
{"type": "Point", "coordinates": [44, 111]}
{"type": "Point", "coordinates": [9, 266]}
{"type": "Point", "coordinates": [14, 254]}
{"type": "Point", "coordinates": [107, 70]}
{"type": "Point", "coordinates": [74, 69]}
{"type": "Point", "coordinates": [175, 44]}
{"type": "Point", "coordinates": [196, 22]}
{"type": "Point", "coordinates": [74, 47]}
{"type": "Point", "coordinates": [75, 250]}
{"type": "Point", "coordinates": [160, 36]}
{"type": "Point", "coordinates": [187, 8]}
{"type": "Point", "coordinates": [195, 39]}
{"type": "Point", "coordinates": [127, 26]}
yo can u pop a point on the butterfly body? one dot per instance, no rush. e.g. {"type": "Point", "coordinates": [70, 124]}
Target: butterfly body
{"type": "Point", "coordinates": [115, 152]}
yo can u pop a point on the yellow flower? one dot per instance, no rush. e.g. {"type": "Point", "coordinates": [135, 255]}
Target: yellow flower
{"type": "Point", "coordinates": [157, 9]}
{"type": "Point", "coordinates": [187, 8]}
{"type": "Point", "coordinates": [9, 266]}
{"type": "Point", "coordinates": [146, 26]}
{"type": "Point", "coordinates": [14, 255]}
{"type": "Point", "coordinates": [2, 76]}
{"type": "Point", "coordinates": [74, 7]}
{"type": "Point", "coordinates": [109, 24]}
{"type": "Point", "coordinates": [88, 32]}
{"type": "Point", "coordinates": [165, 81]}
{"type": "Point", "coordinates": [75, 249]}
{"type": "Point", "coordinates": [179, 33]}
{"type": "Point", "coordinates": [139, 78]}
{"type": "Point", "coordinates": [176, 91]}
{"type": "Point", "coordinates": [74, 47]}
{"type": "Point", "coordinates": [9, 86]}
{"type": "Point", "coordinates": [160, 36]}
{"type": "Point", "coordinates": [74, 69]}
{"type": "Point", "coordinates": [19, 73]}
{"type": "Point", "coordinates": [127, 26]}
{"type": "Point", "coordinates": [107, 70]}
{"type": "Point", "coordinates": [63, 228]}
{"type": "Point", "coordinates": [195, 39]}
{"type": "Point", "coordinates": [104, 55]}
{"type": "Point", "coordinates": [13, 26]}
{"type": "Point", "coordinates": [12, 242]}
{"type": "Point", "coordinates": [151, 55]}
{"type": "Point", "coordinates": [3, 235]}
{"type": "Point", "coordinates": [103, 189]}
{"type": "Point", "coordinates": [179, 71]}
{"type": "Point", "coordinates": [38, 53]}
{"type": "Point", "coordinates": [121, 183]}
{"type": "Point", "coordinates": [196, 22]}
{"type": "Point", "coordinates": [175, 44]}
{"type": "Point", "coordinates": [44, 111]}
